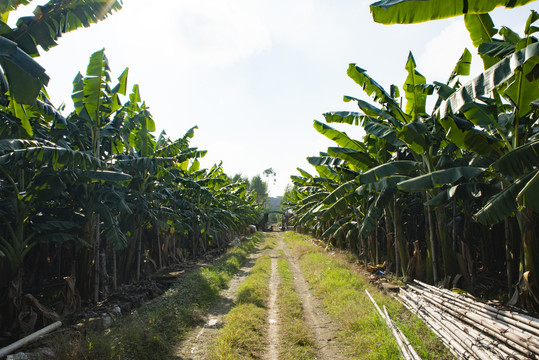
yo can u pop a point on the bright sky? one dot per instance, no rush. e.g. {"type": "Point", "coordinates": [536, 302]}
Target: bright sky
{"type": "Point", "coordinates": [254, 74]}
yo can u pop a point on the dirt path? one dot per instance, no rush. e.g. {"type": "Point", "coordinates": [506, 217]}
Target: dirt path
{"type": "Point", "coordinates": [273, 310]}
{"type": "Point", "coordinates": [315, 317]}
{"type": "Point", "coordinates": [197, 343]}
{"type": "Point", "coordinates": [199, 340]}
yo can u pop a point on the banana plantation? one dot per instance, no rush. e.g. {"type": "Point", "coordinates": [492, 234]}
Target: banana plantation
{"type": "Point", "coordinates": [443, 188]}
{"type": "Point", "coordinates": [91, 200]}
{"type": "Point", "coordinates": [448, 194]}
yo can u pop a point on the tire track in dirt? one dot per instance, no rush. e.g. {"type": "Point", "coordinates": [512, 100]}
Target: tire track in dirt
{"type": "Point", "coordinates": [315, 317]}
{"type": "Point", "coordinates": [273, 309]}
{"type": "Point", "coordinates": [199, 340]}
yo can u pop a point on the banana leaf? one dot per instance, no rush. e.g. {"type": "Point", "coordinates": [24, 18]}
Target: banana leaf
{"type": "Point", "coordinates": [359, 159]}
{"type": "Point", "coordinates": [462, 134]}
{"type": "Point", "coordinates": [504, 203]}
{"type": "Point", "coordinates": [481, 29]}
{"type": "Point", "coordinates": [384, 170]}
{"type": "Point", "coordinates": [375, 210]}
{"type": "Point", "coordinates": [416, 11]}
{"type": "Point", "coordinates": [340, 192]}
{"type": "Point", "coordinates": [341, 138]}
{"type": "Point", "coordinates": [518, 161]}
{"type": "Point", "coordinates": [343, 117]}
{"type": "Point", "coordinates": [385, 132]}
{"type": "Point", "coordinates": [373, 111]}
{"type": "Point", "coordinates": [492, 78]}
{"type": "Point", "coordinates": [416, 100]}
{"type": "Point", "coordinates": [377, 92]}
{"type": "Point", "coordinates": [440, 178]}
{"type": "Point", "coordinates": [24, 75]}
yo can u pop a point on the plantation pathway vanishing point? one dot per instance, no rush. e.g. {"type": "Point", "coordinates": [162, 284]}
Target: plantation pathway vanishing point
{"type": "Point", "coordinates": [197, 344]}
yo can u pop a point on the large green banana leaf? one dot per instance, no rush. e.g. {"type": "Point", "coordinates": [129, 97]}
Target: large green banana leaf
{"type": "Point", "coordinates": [384, 170]}
{"type": "Point", "coordinates": [341, 138]}
{"type": "Point", "coordinates": [376, 91]}
{"type": "Point", "coordinates": [414, 135]}
{"type": "Point", "coordinates": [55, 18]}
{"type": "Point", "coordinates": [359, 159]}
{"type": "Point", "coordinates": [416, 11]}
{"type": "Point", "coordinates": [304, 173]}
{"type": "Point", "coordinates": [481, 30]}
{"type": "Point", "coordinates": [385, 132]}
{"type": "Point", "coordinates": [298, 180]}
{"type": "Point", "coordinates": [343, 117]}
{"type": "Point", "coordinates": [469, 138]}
{"type": "Point", "coordinates": [328, 172]}
{"type": "Point", "coordinates": [52, 156]}
{"type": "Point", "coordinates": [9, 5]}
{"type": "Point", "coordinates": [340, 207]}
{"type": "Point", "coordinates": [315, 197]}
{"type": "Point", "coordinates": [503, 204]}
{"type": "Point", "coordinates": [529, 195]}
{"type": "Point", "coordinates": [24, 75]}
{"type": "Point", "coordinates": [495, 76]}
{"type": "Point", "coordinates": [332, 230]}
{"type": "Point", "coordinates": [340, 192]}
{"type": "Point", "coordinates": [372, 111]}
{"type": "Point", "coordinates": [467, 191]}
{"type": "Point", "coordinates": [376, 208]}
{"type": "Point", "coordinates": [440, 178]}
{"type": "Point", "coordinates": [416, 100]}
{"type": "Point", "coordinates": [518, 161]}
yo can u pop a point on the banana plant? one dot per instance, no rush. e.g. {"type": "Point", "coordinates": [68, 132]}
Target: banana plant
{"type": "Point", "coordinates": [19, 72]}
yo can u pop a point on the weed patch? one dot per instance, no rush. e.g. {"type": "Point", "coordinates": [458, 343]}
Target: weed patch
{"type": "Point", "coordinates": [244, 333]}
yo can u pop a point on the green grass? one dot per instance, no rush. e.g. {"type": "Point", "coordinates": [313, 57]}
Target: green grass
{"type": "Point", "coordinates": [363, 333]}
{"type": "Point", "coordinates": [297, 339]}
{"type": "Point", "coordinates": [153, 330]}
{"type": "Point", "coordinates": [244, 333]}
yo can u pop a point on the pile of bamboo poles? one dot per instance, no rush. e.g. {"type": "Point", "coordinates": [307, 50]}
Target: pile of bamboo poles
{"type": "Point", "coordinates": [405, 348]}
{"type": "Point", "coordinates": [471, 329]}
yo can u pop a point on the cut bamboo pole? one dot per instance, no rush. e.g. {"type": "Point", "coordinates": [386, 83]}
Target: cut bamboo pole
{"type": "Point", "coordinates": [460, 336]}
{"type": "Point", "coordinates": [467, 326]}
{"type": "Point", "coordinates": [398, 332]}
{"type": "Point", "coordinates": [497, 329]}
{"type": "Point", "coordinates": [402, 342]}
{"type": "Point", "coordinates": [522, 319]}
{"type": "Point", "coordinates": [447, 338]}
{"type": "Point", "coordinates": [28, 339]}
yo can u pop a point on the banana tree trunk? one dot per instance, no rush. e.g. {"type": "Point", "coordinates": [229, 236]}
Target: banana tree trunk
{"type": "Point", "coordinates": [376, 247]}
{"type": "Point", "coordinates": [508, 257]}
{"type": "Point", "coordinates": [432, 240]}
{"type": "Point", "coordinates": [400, 242]}
{"type": "Point", "coordinates": [448, 257]}
{"type": "Point", "coordinates": [97, 267]}
{"type": "Point", "coordinates": [529, 241]}
{"type": "Point", "coordinates": [389, 237]}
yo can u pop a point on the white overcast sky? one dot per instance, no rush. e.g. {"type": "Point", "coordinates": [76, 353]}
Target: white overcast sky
{"type": "Point", "coordinates": [254, 74]}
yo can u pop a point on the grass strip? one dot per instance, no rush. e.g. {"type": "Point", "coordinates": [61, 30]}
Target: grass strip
{"type": "Point", "coordinates": [244, 333]}
{"type": "Point", "coordinates": [297, 339]}
{"type": "Point", "coordinates": [363, 333]}
{"type": "Point", "coordinates": [153, 330]}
